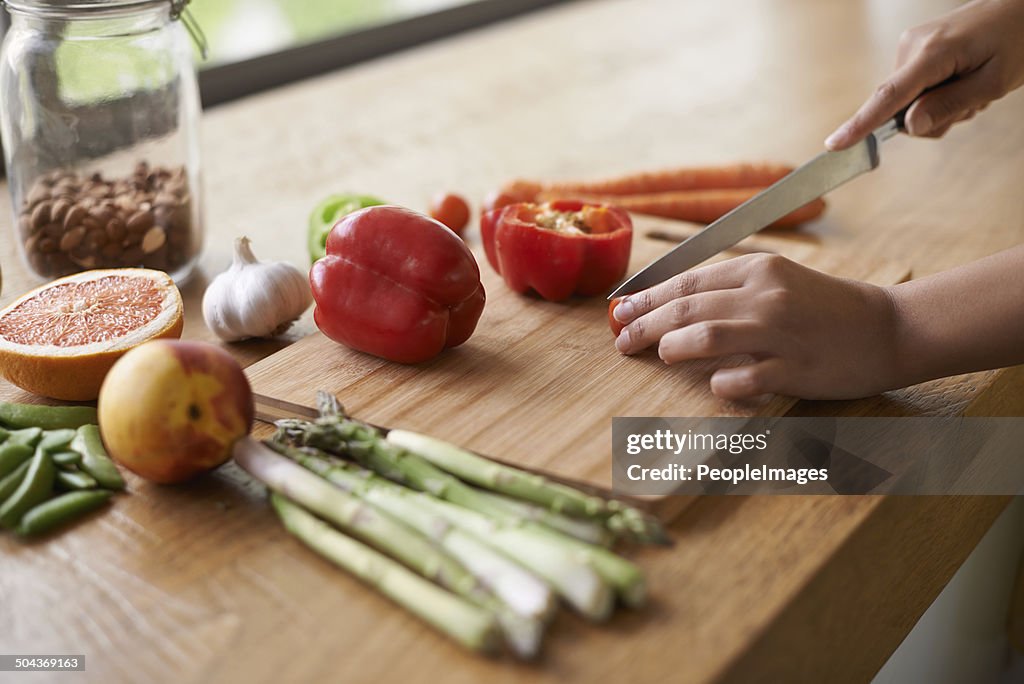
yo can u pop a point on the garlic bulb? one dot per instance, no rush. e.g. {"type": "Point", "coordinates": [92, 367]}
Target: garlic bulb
{"type": "Point", "coordinates": [255, 298]}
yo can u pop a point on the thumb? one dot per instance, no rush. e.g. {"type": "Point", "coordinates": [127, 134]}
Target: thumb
{"type": "Point", "coordinates": [934, 112]}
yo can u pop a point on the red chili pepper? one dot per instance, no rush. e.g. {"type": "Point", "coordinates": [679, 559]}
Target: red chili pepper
{"type": "Point", "coordinates": [558, 249]}
{"type": "Point", "coordinates": [396, 284]}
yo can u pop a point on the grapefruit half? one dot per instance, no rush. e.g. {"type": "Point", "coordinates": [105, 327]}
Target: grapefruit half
{"type": "Point", "coordinates": [60, 339]}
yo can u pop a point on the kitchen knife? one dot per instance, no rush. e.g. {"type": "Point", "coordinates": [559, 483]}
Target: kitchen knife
{"type": "Point", "coordinates": [825, 172]}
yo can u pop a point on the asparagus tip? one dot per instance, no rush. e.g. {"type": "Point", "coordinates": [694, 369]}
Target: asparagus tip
{"type": "Point", "coordinates": [639, 527]}
{"type": "Point", "coordinates": [328, 405]}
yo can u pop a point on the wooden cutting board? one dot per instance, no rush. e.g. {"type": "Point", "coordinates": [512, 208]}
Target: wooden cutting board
{"type": "Point", "coordinates": [539, 382]}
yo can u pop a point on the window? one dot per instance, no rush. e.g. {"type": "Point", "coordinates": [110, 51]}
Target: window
{"type": "Point", "coordinates": [242, 29]}
{"type": "Point", "coordinates": [258, 44]}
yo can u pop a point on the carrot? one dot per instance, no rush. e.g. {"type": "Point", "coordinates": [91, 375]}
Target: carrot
{"type": "Point", "coordinates": [699, 206]}
{"type": "Point", "coordinates": [510, 193]}
{"type": "Point", "coordinates": [684, 178]}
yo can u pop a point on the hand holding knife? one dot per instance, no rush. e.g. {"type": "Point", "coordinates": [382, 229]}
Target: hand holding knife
{"type": "Point", "coordinates": [822, 174]}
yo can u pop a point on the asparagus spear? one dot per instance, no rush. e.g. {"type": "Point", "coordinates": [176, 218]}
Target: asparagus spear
{"type": "Point", "coordinates": [365, 445]}
{"type": "Point", "coordinates": [354, 517]}
{"type": "Point", "coordinates": [357, 517]}
{"type": "Point", "coordinates": [363, 441]}
{"type": "Point", "coordinates": [528, 486]}
{"type": "Point", "coordinates": [618, 517]}
{"type": "Point", "coordinates": [521, 601]}
{"type": "Point", "coordinates": [523, 592]}
{"type": "Point", "coordinates": [590, 530]}
{"type": "Point", "coordinates": [468, 624]}
{"type": "Point", "coordinates": [625, 577]}
{"type": "Point", "coordinates": [571, 575]}
{"type": "Point", "coordinates": [498, 477]}
{"type": "Point", "coordinates": [541, 553]}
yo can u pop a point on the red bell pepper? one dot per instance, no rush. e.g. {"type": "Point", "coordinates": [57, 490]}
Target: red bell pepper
{"type": "Point", "coordinates": [396, 284]}
{"type": "Point", "coordinates": [558, 249]}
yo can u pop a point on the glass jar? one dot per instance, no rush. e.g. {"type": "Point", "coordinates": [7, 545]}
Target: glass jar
{"type": "Point", "coordinates": [100, 121]}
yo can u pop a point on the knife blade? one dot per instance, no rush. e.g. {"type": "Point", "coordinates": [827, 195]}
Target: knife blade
{"type": "Point", "coordinates": [817, 177]}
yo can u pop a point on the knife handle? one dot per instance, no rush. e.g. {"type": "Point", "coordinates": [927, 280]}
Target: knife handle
{"type": "Point", "coordinates": [901, 116]}
{"type": "Point", "coordinates": [898, 124]}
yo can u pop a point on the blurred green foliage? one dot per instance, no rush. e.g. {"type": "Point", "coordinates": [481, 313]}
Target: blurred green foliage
{"type": "Point", "coordinates": [236, 29]}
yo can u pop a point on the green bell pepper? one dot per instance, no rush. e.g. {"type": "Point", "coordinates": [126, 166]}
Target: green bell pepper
{"type": "Point", "coordinates": [329, 212]}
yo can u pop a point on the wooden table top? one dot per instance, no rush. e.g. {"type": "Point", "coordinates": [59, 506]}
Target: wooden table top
{"type": "Point", "coordinates": [777, 588]}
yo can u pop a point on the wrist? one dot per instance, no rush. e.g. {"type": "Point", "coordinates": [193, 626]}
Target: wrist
{"type": "Point", "coordinates": [909, 350]}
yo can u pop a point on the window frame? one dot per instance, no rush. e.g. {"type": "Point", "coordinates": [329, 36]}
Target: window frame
{"type": "Point", "coordinates": [225, 82]}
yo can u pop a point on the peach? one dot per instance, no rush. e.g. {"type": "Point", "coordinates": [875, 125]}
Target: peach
{"type": "Point", "coordinates": [170, 410]}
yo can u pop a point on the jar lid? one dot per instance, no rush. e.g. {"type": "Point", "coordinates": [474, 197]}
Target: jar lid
{"type": "Point", "coordinates": [86, 5]}
{"type": "Point", "coordinates": [62, 8]}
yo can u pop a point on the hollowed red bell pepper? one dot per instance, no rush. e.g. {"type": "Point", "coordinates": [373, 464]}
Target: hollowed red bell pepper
{"type": "Point", "coordinates": [558, 249]}
{"type": "Point", "coordinates": [396, 284]}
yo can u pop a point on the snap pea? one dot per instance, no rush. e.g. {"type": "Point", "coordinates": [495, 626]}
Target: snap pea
{"type": "Point", "coordinates": [3, 435]}
{"type": "Point", "coordinates": [28, 436]}
{"type": "Point", "coordinates": [56, 440]}
{"type": "Point", "coordinates": [60, 511]}
{"type": "Point", "coordinates": [11, 482]}
{"type": "Point", "coordinates": [45, 417]}
{"type": "Point", "coordinates": [75, 479]}
{"type": "Point", "coordinates": [66, 458]}
{"type": "Point", "coordinates": [12, 456]}
{"type": "Point", "coordinates": [34, 488]}
{"type": "Point", "coordinates": [95, 460]}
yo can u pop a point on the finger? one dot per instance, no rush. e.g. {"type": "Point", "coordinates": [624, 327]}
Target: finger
{"type": "Point", "coordinates": [678, 313]}
{"type": "Point", "coordinates": [749, 381]}
{"type": "Point", "coordinates": [939, 132]}
{"type": "Point", "coordinates": [952, 103]}
{"type": "Point", "coordinates": [894, 94]}
{"type": "Point", "coordinates": [718, 276]}
{"type": "Point", "coordinates": [968, 115]}
{"type": "Point", "coordinates": [712, 339]}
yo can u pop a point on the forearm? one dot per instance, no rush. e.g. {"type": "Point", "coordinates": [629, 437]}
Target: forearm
{"type": "Point", "coordinates": [967, 319]}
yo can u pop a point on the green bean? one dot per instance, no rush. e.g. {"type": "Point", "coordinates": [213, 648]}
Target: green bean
{"type": "Point", "coordinates": [95, 460]}
{"type": "Point", "coordinates": [34, 488]}
{"type": "Point", "coordinates": [60, 511]}
{"type": "Point", "coordinates": [11, 482]}
{"type": "Point", "coordinates": [66, 458]}
{"type": "Point", "coordinates": [75, 479]}
{"type": "Point", "coordinates": [56, 440]}
{"type": "Point", "coordinates": [3, 435]}
{"type": "Point", "coordinates": [27, 436]}
{"type": "Point", "coordinates": [12, 456]}
{"type": "Point", "coordinates": [46, 417]}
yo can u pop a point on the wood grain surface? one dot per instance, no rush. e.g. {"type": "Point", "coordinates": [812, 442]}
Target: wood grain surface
{"type": "Point", "coordinates": [200, 584]}
{"type": "Point", "coordinates": [538, 384]}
